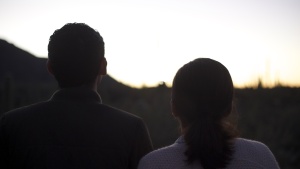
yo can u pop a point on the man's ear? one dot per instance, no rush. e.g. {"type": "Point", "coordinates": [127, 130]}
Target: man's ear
{"type": "Point", "coordinates": [49, 67]}
{"type": "Point", "coordinates": [103, 65]}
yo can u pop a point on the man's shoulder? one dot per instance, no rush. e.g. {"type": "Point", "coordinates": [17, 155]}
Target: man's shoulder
{"type": "Point", "coordinates": [19, 111]}
{"type": "Point", "coordinates": [114, 115]}
{"type": "Point", "coordinates": [115, 112]}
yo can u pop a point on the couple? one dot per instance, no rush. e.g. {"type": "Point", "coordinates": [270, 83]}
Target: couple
{"type": "Point", "coordinates": [74, 130]}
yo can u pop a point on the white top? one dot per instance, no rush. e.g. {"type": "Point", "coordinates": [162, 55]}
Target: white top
{"type": "Point", "coordinates": [248, 154]}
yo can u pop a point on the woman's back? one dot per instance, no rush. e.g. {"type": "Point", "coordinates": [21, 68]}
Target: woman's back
{"type": "Point", "coordinates": [248, 154]}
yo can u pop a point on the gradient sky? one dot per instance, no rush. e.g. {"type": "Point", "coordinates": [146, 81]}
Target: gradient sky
{"type": "Point", "coordinates": [148, 40]}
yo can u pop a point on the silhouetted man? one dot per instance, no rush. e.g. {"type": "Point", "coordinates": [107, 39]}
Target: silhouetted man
{"type": "Point", "coordinates": [73, 129]}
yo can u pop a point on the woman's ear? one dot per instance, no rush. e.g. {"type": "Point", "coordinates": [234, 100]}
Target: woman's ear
{"type": "Point", "coordinates": [49, 67]}
{"type": "Point", "coordinates": [103, 65]}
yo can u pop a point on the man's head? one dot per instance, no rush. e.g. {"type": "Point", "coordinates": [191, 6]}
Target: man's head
{"type": "Point", "coordinates": [76, 55]}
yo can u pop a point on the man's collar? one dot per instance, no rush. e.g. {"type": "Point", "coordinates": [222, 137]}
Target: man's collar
{"type": "Point", "coordinates": [76, 94]}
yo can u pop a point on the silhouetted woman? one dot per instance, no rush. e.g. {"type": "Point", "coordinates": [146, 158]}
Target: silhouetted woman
{"type": "Point", "coordinates": [202, 96]}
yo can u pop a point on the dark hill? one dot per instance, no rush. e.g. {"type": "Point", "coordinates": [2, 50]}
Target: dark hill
{"type": "Point", "coordinates": [24, 79]}
{"type": "Point", "coordinates": [24, 67]}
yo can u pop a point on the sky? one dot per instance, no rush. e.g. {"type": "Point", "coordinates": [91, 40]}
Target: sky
{"type": "Point", "coordinates": [147, 41]}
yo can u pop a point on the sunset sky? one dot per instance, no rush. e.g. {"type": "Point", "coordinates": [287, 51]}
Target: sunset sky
{"type": "Point", "coordinates": [148, 40]}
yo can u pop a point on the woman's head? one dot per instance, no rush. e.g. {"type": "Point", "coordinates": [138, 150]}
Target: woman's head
{"type": "Point", "coordinates": [202, 95]}
{"type": "Point", "coordinates": [202, 88]}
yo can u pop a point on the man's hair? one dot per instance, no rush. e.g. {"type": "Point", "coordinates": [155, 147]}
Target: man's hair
{"type": "Point", "coordinates": [74, 53]}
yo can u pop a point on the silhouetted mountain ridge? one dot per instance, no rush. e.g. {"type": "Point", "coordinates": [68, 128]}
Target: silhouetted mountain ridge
{"type": "Point", "coordinates": [24, 67]}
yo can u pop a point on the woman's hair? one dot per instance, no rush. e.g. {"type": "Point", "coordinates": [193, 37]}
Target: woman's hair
{"type": "Point", "coordinates": [202, 95]}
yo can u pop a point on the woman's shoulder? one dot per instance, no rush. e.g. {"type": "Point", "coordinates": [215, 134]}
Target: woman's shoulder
{"type": "Point", "coordinates": [250, 145]}
{"type": "Point", "coordinates": [252, 151]}
{"type": "Point", "coordinates": [165, 157]}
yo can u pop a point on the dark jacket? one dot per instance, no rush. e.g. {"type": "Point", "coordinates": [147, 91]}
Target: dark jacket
{"type": "Point", "coordinates": [72, 130]}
